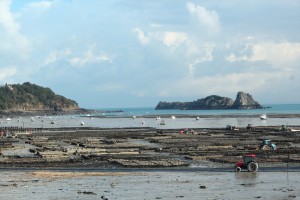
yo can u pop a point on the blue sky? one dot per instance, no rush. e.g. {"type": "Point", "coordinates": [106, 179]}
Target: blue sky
{"type": "Point", "coordinates": [126, 53]}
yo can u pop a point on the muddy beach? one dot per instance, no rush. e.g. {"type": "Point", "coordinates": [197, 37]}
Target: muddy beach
{"type": "Point", "coordinates": [143, 147]}
{"type": "Point", "coordinates": [149, 185]}
{"type": "Point", "coordinates": [148, 163]}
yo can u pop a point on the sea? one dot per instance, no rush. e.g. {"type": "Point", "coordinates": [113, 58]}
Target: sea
{"type": "Point", "coordinates": [149, 117]}
{"type": "Point", "coordinates": [144, 111]}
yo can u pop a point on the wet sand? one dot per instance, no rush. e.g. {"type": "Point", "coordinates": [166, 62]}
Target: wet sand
{"type": "Point", "coordinates": [149, 185]}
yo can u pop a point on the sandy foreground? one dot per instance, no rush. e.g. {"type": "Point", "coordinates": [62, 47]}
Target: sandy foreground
{"type": "Point", "coordinates": [148, 185]}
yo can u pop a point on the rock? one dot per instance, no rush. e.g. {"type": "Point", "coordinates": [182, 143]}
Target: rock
{"type": "Point", "coordinates": [243, 101]}
{"type": "Point", "coordinates": [210, 102]}
{"type": "Point", "coordinates": [86, 192]}
{"type": "Point", "coordinates": [203, 186]}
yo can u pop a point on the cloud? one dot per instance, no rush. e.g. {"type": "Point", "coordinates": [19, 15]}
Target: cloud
{"type": "Point", "coordinates": [173, 38]}
{"type": "Point", "coordinates": [7, 72]}
{"type": "Point", "coordinates": [167, 38]}
{"type": "Point", "coordinates": [141, 36]}
{"type": "Point", "coordinates": [208, 18]}
{"type": "Point", "coordinates": [89, 57]}
{"type": "Point", "coordinates": [56, 55]}
{"type": "Point", "coordinates": [11, 38]}
{"type": "Point", "coordinates": [277, 54]}
{"type": "Point", "coordinates": [220, 84]}
{"type": "Point", "coordinates": [205, 55]}
{"type": "Point", "coordinates": [40, 6]}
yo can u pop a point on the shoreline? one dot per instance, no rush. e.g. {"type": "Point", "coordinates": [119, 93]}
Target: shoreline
{"type": "Point", "coordinates": [99, 114]}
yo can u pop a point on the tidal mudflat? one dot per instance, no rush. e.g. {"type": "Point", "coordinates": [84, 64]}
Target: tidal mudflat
{"type": "Point", "coordinates": [145, 184]}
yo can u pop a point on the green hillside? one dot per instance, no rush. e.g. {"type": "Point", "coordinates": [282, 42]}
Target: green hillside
{"type": "Point", "coordinates": [30, 97]}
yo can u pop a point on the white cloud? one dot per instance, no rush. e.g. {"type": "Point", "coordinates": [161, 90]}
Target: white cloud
{"type": "Point", "coordinates": [208, 18]}
{"type": "Point", "coordinates": [11, 38]}
{"type": "Point", "coordinates": [41, 5]}
{"type": "Point", "coordinates": [7, 72]}
{"type": "Point", "coordinates": [141, 36]}
{"type": "Point", "coordinates": [173, 38]}
{"type": "Point", "coordinates": [56, 55]}
{"type": "Point", "coordinates": [206, 56]}
{"type": "Point", "coordinates": [168, 38]}
{"type": "Point", "coordinates": [277, 54]}
{"type": "Point", "coordinates": [7, 19]}
{"type": "Point", "coordinates": [67, 55]}
{"type": "Point", "coordinates": [220, 84]}
{"type": "Point", "coordinates": [90, 57]}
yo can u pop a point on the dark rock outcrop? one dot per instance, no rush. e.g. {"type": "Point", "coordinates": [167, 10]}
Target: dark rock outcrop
{"type": "Point", "coordinates": [243, 101]}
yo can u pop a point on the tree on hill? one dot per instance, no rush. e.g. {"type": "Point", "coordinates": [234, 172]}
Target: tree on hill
{"type": "Point", "coordinates": [29, 96]}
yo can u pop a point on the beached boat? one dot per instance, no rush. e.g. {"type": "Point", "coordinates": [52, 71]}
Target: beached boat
{"type": "Point", "coordinates": [294, 130]}
{"type": "Point", "coordinates": [263, 116]}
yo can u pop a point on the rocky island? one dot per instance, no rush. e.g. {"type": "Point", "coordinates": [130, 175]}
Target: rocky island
{"type": "Point", "coordinates": [242, 101]}
{"type": "Point", "coordinates": [29, 98]}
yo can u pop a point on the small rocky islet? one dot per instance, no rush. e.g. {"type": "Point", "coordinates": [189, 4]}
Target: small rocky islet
{"type": "Point", "coordinates": [243, 101]}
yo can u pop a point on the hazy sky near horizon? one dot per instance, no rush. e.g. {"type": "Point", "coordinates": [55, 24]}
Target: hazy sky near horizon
{"type": "Point", "coordinates": [127, 53]}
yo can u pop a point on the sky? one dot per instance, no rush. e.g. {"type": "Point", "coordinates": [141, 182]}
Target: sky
{"type": "Point", "coordinates": [127, 53]}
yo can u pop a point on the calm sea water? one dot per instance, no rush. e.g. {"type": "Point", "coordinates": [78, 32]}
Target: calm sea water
{"type": "Point", "coordinates": [113, 118]}
{"type": "Point", "coordinates": [271, 109]}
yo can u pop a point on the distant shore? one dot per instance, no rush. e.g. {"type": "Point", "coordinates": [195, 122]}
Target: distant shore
{"type": "Point", "coordinates": [14, 113]}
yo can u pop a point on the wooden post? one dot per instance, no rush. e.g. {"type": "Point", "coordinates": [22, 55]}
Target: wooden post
{"type": "Point", "coordinates": [288, 157]}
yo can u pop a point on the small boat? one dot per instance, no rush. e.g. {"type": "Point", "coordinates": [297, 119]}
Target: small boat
{"type": "Point", "coordinates": [32, 119]}
{"type": "Point", "coordinates": [197, 118]}
{"type": "Point", "coordinates": [173, 117]}
{"type": "Point", "coordinates": [158, 118]}
{"type": "Point", "coordinates": [294, 130]}
{"type": "Point", "coordinates": [263, 116]}
{"type": "Point", "coordinates": [133, 117]}
{"type": "Point", "coordinates": [81, 123]}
